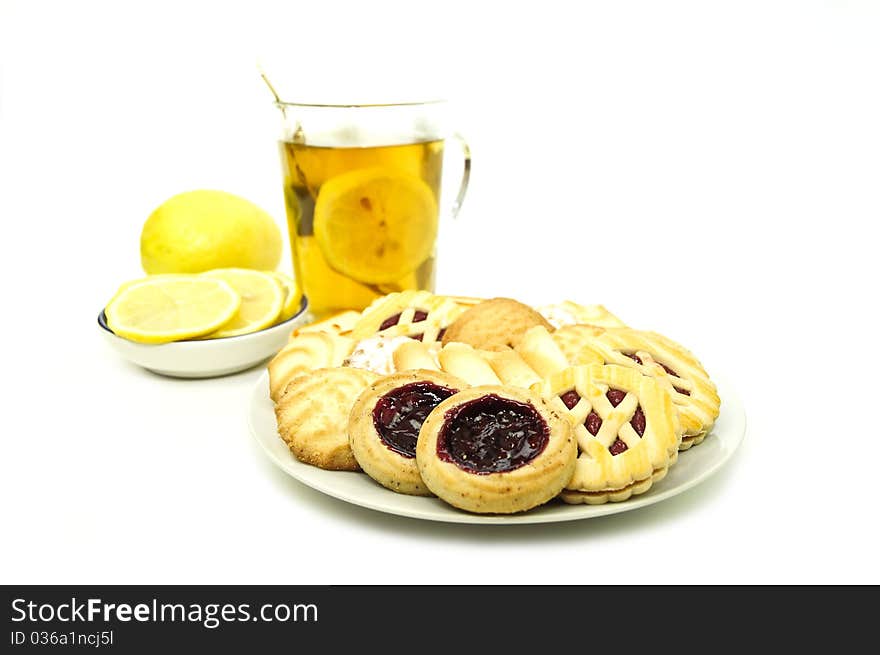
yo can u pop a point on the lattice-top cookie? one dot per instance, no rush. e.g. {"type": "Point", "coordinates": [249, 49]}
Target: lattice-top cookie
{"type": "Point", "coordinates": [625, 426]}
{"type": "Point", "coordinates": [416, 314]}
{"type": "Point", "coordinates": [674, 367]}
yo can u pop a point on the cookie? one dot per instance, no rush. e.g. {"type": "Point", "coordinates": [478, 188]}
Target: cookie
{"type": "Point", "coordinates": [415, 354]}
{"type": "Point", "coordinates": [417, 314]}
{"type": "Point", "coordinates": [511, 368]}
{"type": "Point", "coordinates": [376, 353]}
{"type": "Point", "coordinates": [495, 450]}
{"type": "Point", "coordinates": [626, 428]}
{"type": "Point", "coordinates": [494, 324]}
{"type": "Point", "coordinates": [385, 421]}
{"type": "Point", "coordinates": [304, 353]}
{"type": "Point", "coordinates": [571, 313]}
{"type": "Point", "coordinates": [462, 361]}
{"type": "Point", "coordinates": [573, 339]}
{"type": "Point", "coordinates": [675, 368]}
{"type": "Point", "coordinates": [541, 352]}
{"type": "Point", "coordinates": [313, 413]}
{"type": "Point", "coordinates": [340, 323]}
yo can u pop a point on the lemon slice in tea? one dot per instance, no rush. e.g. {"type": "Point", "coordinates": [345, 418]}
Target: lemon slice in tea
{"type": "Point", "coordinates": [375, 225]}
{"type": "Point", "coordinates": [170, 308]}
{"type": "Point", "coordinates": [262, 298]}
{"type": "Point", "coordinates": [328, 290]}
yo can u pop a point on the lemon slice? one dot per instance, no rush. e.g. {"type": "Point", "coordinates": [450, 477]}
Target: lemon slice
{"type": "Point", "coordinates": [375, 225]}
{"type": "Point", "coordinates": [157, 276]}
{"type": "Point", "coordinates": [262, 298]}
{"type": "Point", "coordinates": [171, 308]}
{"type": "Point", "coordinates": [292, 296]}
{"type": "Point", "coordinates": [328, 290]}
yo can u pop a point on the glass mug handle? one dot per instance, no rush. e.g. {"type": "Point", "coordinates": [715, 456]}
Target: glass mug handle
{"type": "Point", "coordinates": [465, 175]}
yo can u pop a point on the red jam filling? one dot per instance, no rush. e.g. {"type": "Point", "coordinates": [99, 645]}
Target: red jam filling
{"type": "Point", "coordinates": [399, 414]}
{"type": "Point", "coordinates": [674, 374]}
{"type": "Point", "coordinates": [570, 398]}
{"type": "Point", "coordinates": [391, 321]}
{"type": "Point", "coordinates": [492, 434]}
{"type": "Point", "coordinates": [635, 357]}
{"type": "Point", "coordinates": [638, 359]}
{"type": "Point", "coordinates": [593, 421]}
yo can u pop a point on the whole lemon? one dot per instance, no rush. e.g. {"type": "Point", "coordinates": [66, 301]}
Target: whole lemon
{"type": "Point", "coordinates": [202, 230]}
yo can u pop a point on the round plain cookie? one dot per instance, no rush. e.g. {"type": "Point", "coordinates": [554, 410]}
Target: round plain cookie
{"type": "Point", "coordinates": [494, 324]}
{"type": "Point", "coordinates": [303, 353]}
{"type": "Point", "coordinates": [496, 450]}
{"type": "Point", "coordinates": [313, 412]}
{"type": "Point", "coordinates": [385, 421]}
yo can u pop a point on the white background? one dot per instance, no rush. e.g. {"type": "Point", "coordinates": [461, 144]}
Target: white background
{"type": "Point", "coordinates": [710, 170]}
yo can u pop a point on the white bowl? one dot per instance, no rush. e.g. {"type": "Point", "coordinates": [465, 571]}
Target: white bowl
{"type": "Point", "coordinates": [208, 357]}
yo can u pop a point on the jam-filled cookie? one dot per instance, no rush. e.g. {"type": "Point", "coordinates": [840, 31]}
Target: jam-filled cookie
{"type": "Point", "coordinates": [674, 367]}
{"type": "Point", "coordinates": [626, 429]}
{"type": "Point", "coordinates": [494, 324]}
{"type": "Point", "coordinates": [303, 353]}
{"type": "Point", "coordinates": [495, 450]}
{"type": "Point", "coordinates": [385, 421]}
{"type": "Point", "coordinates": [313, 413]}
{"type": "Point", "coordinates": [416, 314]}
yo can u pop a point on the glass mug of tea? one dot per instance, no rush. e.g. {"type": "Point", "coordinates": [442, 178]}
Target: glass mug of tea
{"type": "Point", "coordinates": [362, 194]}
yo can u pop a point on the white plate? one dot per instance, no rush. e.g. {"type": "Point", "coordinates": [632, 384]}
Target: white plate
{"type": "Point", "coordinates": [693, 466]}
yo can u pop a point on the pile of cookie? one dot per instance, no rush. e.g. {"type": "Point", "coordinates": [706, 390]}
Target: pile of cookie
{"type": "Point", "coordinates": [491, 405]}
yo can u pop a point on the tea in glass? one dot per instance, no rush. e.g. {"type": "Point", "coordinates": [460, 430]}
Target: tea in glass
{"type": "Point", "coordinates": [363, 220]}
